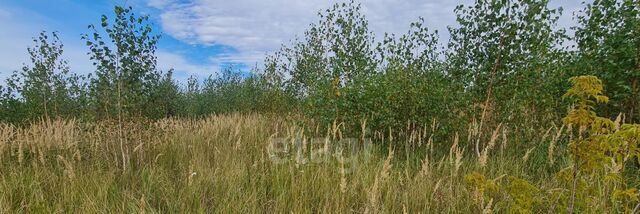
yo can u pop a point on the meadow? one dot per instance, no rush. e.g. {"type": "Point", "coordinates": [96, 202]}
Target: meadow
{"type": "Point", "coordinates": [228, 164]}
{"type": "Point", "coordinates": [512, 114]}
{"type": "Point", "coordinates": [252, 163]}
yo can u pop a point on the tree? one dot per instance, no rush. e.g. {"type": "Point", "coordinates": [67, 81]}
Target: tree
{"type": "Point", "coordinates": [10, 107]}
{"type": "Point", "coordinates": [126, 74]}
{"type": "Point", "coordinates": [163, 101]}
{"type": "Point", "coordinates": [339, 72]}
{"type": "Point", "coordinates": [46, 87]}
{"type": "Point", "coordinates": [337, 52]}
{"type": "Point", "coordinates": [412, 86]}
{"type": "Point", "coordinates": [609, 47]}
{"type": "Point", "coordinates": [505, 54]}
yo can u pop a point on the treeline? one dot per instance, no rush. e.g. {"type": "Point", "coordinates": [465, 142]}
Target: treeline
{"type": "Point", "coordinates": [506, 61]}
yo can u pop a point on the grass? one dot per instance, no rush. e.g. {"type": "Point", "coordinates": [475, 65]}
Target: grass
{"type": "Point", "coordinates": [239, 164]}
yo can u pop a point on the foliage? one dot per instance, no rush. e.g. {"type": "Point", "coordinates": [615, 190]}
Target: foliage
{"type": "Point", "coordinates": [603, 151]}
{"type": "Point", "coordinates": [126, 75]}
{"type": "Point", "coordinates": [506, 55]}
{"type": "Point", "coordinates": [233, 91]}
{"type": "Point", "coordinates": [46, 87]}
{"type": "Point", "coordinates": [505, 66]}
{"type": "Point", "coordinates": [164, 98]}
{"type": "Point", "coordinates": [329, 66]}
{"type": "Point", "coordinates": [483, 188]}
{"type": "Point", "coordinates": [607, 47]}
{"type": "Point", "coordinates": [339, 73]}
{"type": "Point", "coordinates": [585, 88]}
{"type": "Point", "coordinates": [524, 195]}
{"type": "Point", "coordinates": [599, 153]}
{"type": "Point", "coordinates": [10, 106]}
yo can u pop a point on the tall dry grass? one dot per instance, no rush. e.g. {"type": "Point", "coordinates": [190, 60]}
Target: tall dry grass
{"type": "Point", "coordinates": [253, 164]}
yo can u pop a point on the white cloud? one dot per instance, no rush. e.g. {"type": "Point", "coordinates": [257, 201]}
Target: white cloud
{"type": "Point", "coordinates": [168, 60]}
{"type": "Point", "coordinates": [264, 25]}
{"type": "Point", "coordinates": [243, 24]}
{"type": "Point", "coordinates": [255, 27]}
{"type": "Point", "coordinates": [246, 57]}
{"type": "Point", "coordinates": [158, 3]}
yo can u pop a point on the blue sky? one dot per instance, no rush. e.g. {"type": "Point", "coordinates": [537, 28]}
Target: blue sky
{"type": "Point", "coordinates": [202, 36]}
{"type": "Point", "coordinates": [24, 19]}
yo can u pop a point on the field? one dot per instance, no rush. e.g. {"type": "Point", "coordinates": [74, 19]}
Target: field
{"type": "Point", "coordinates": [235, 164]}
{"type": "Point", "coordinates": [510, 111]}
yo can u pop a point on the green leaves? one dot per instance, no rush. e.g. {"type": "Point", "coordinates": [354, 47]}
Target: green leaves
{"type": "Point", "coordinates": [608, 47]}
{"type": "Point", "coordinates": [45, 87]}
{"type": "Point", "coordinates": [586, 90]}
{"type": "Point", "coordinates": [507, 55]}
{"type": "Point", "coordinates": [602, 146]}
{"type": "Point", "coordinates": [524, 196]}
{"type": "Point", "coordinates": [126, 62]}
{"type": "Point", "coordinates": [338, 72]}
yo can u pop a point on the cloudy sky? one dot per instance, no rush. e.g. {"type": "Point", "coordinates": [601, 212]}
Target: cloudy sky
{"type": "Point", "coordinates": [201, 36]}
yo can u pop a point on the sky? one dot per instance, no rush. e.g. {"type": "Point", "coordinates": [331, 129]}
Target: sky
{"type": "Point", "coordinates": [200, 37]}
